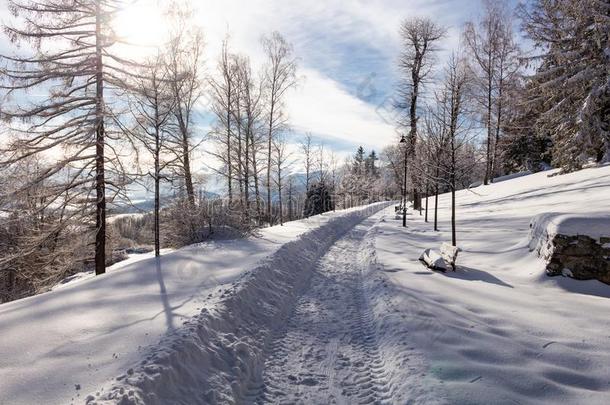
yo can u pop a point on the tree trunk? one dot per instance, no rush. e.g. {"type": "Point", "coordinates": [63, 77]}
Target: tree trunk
{"type": "Point", "coordinates": [498, 124]}
{"type": "Point", "coordinates": [257, 192]}
{"type": "Point", "coordinates": [427, 202]}
{"type": "Point", "coordinates": [188, 179]}
{"type": "Point", "coordinates": [488, 174]}
{"type": "Point", "coordinates": [290, 211]}
{"type": "Point", "coordinates": [269, 142]}
{"type": "Point", "coordinates": [229, 168]}
{"type": "Point", "coordinates": [413, 138]}
{"type": "Point", "coordinates": [240, 176]}
{"type": "Point", "coordinates": [404, 197]}
{"type": "Point", "coordinates": [436, 209]}
{"type": "Point", "coordinates": [279, 191]}
{"type": "Point", "coordinates": [157, 179]}
{"type": "Point", "coordinates": [100, 181]}
{"type": "Point", "coordinates": [246, 161]}
{"type": "Point", "coordinates": [453, 171]}
{"type": "Point", "coordinates": [453, 235]}
{"type": "Point", "coordinates": [157, 207]}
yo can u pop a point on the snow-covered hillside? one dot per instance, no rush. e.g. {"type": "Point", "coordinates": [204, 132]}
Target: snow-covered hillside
{"type": "Point", "coordinates": [334, 309]}
{"type": "Point", "coordinates": [498, 330]}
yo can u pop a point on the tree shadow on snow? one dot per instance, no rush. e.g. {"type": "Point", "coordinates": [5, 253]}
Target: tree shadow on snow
{"type": "Point", "coordinates": [470, 274]}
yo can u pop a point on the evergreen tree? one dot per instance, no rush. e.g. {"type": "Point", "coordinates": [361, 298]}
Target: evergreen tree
{"type": "Point", "coordinates": [319, 199]}
{"type": "Point", "coordinates": [358, 166]}
{"type": "Point", "coordinates": [571, 83]}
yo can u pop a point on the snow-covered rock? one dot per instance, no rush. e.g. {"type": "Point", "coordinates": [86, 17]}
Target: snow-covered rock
{"type": "Point", "coordinates": [575, 246]}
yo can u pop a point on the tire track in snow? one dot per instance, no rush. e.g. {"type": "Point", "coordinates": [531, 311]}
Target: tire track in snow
{"type": "Point", "coordinates": [328, 351]}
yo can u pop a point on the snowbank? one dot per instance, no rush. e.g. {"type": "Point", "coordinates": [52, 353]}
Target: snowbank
{"type": "Point", "coordinates": [211, 358]}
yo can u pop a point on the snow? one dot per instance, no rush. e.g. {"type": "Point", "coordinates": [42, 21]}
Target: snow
{"type": "Point", "coordinates": [433, 260]}
{"type": "Point", "coordinates": [544, 228]}
{"type": "Point", "coordinates": [88, 332]}
{"type": "Point", "coordinates": [215, 356]}
{"type": "Point", "coordinates": [498, 330]}
{"type": "Point", "coordinates": [133, 215]}
{"type": "Point", "coordinates": [334, 309]}
{"type": "Point", "coordinates": [594, 226]}
{"type": "Point", "coordinates": [511, 176]}
{"type": "Point", "coordinates": [131, 259]}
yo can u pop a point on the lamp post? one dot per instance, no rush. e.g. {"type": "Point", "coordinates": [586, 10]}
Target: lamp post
{"type": "Point", "coordinates": [403, 141]}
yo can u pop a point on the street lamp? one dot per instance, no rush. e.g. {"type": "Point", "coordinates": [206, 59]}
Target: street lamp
{"type": "Point", "coordinates": [403, 140]}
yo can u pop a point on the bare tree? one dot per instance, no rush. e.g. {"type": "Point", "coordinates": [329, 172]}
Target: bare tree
{"type": "Point", "coordinates": [251, 96]}
{"type": "Point", "coordinates": [436, 143]}
{"type": "Point", "coordinates": [507, 80]}
{"type": "Point", "coordinates": [494, 55]}
{"type": "Point", "coordinates": [306, 146]}
{"type": "Point", "coordinates": [322, 164]}
{"type": "Point", "coordinates": [282, 163]}
{"type": "Point", "coordinates": [280, 76]}
{"type": "Point", "coordinates": [152, 106]}
{"type": "Point", "coordinates": [40, 244]}
{"type": "Point", "coordinates": [184, 61]}
{"type": "Point", "coordinates": [454, 131]}
{"type": "Point", "coordinates": [224, 102]}
{"type": "Point", "coordinates": [224, 98]}
{"type": "Point", "coordinates": [74, 58]}
{"type": "Point", "coordinates": [420, 37]}
{"type": "Point", "coordinates": [334, 177]}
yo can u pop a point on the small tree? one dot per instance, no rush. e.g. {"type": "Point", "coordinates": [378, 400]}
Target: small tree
{"type": "Point", "coordinates": [282, 163]}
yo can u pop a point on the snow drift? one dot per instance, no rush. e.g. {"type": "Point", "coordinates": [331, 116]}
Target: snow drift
{"type": "Point", "coordinates": [213, 357]}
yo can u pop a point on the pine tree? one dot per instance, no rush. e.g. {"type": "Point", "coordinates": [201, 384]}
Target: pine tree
{"type": "Point", "coordinates": [572, 79]}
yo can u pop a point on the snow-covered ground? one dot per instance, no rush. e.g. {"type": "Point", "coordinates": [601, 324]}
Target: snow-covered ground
{"type": "Point", "coordinates": [336, 311]}
{"type": "Point", "coordinates": [498, 330]}
{"type": "Point", "coordinates": [57, 347]}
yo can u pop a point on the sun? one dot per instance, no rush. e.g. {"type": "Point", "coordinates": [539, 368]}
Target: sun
{"type": "Point", "coordinates": [141, 24]}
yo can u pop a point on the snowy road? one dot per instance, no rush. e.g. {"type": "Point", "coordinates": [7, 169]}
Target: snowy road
{"type": "Point", "coordinates": [328, 351]}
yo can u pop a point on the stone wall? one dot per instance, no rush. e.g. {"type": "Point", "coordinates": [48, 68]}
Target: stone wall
{"type": "Point", "coordinates": [580, 257]}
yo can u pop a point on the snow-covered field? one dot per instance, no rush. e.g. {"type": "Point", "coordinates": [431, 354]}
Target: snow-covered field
{"type": "Point", "coordinates": [336, 309]}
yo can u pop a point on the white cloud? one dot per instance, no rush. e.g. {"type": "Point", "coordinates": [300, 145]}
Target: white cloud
{"type": "Point", "coordinates": [321, 106]}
